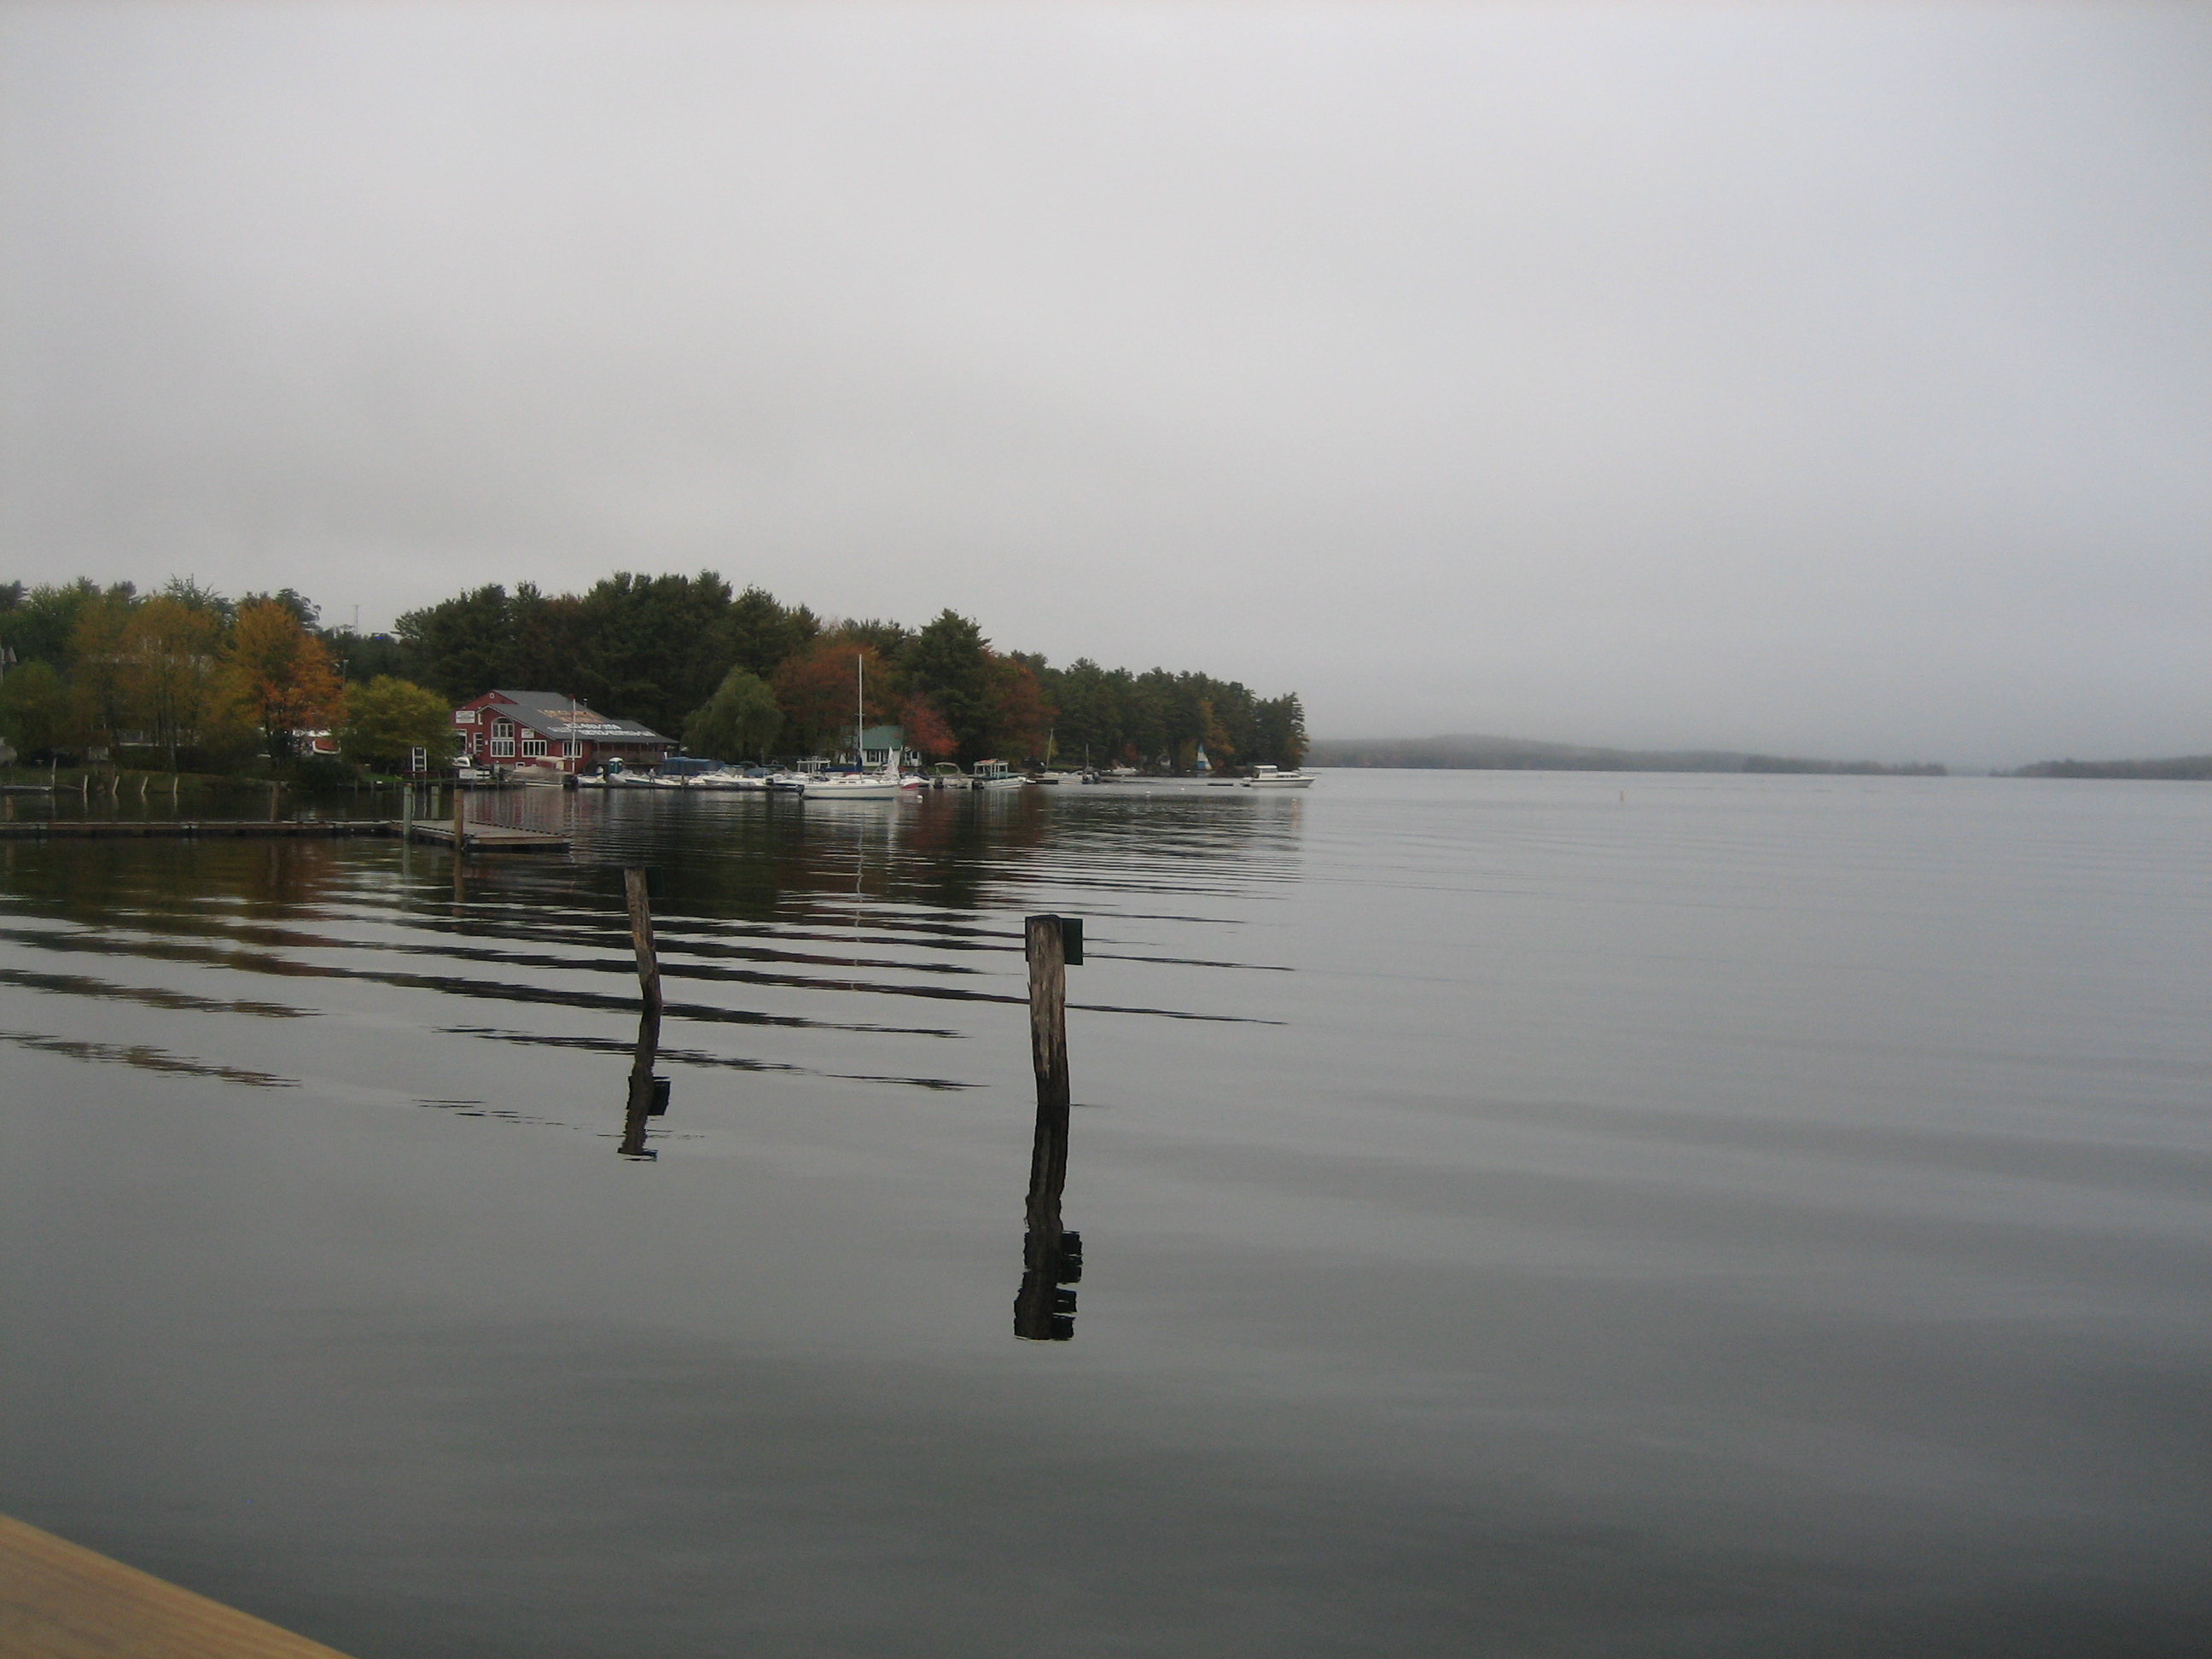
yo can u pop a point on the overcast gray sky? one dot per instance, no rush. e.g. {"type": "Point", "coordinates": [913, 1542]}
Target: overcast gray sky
{"type": "Point", "coordinates": [1832, 379]}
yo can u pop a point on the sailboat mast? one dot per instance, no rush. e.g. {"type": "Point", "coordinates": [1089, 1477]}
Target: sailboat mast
{"type": "Point", "coordinates": [860, 712]}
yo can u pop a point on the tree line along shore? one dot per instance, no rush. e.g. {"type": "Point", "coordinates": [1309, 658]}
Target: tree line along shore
{"type": "Point", "coordinates": [183, 680]}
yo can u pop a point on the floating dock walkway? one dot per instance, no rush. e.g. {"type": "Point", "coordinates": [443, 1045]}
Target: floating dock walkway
{"type": "Point", "coordinates": [60, 1600]}
{"type": "Point", "coordinates": [487, 837]}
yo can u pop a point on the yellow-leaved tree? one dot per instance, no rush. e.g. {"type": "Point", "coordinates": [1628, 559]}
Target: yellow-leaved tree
{"type": "Point", "coordinates": [280, 676]}
{"type": "Point", "coordinates": [171, 673]}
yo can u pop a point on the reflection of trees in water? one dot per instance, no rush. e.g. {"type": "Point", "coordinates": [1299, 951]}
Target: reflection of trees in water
{"type": "Point", "coordinates": [961, 840]}
{"type": "Point", "coordinates": [264, 880]}
{"type": "Point", "coordinates": [1184, 841]}
{"type": "Point", "coordinates": [761, 860]}
{"type": "Point", "coordinates": [971, 852]}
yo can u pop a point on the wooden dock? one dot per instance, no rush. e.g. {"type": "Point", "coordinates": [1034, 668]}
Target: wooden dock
{"type": "Point", "coordinates": [476, 837]}
{"type": "Point", "coordinates": [488, 838]}
{"type": "Point", "coordinates": [59, 1600]}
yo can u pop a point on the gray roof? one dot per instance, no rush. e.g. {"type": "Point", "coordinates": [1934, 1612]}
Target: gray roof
{"type": "Point", "coordinates": [550, 715]}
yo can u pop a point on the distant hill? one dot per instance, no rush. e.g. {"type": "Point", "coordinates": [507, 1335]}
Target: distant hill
{"type": "Point", "coordinates": [2194, 768]}
{"type": "Point", "coordinates": [1468, 751]}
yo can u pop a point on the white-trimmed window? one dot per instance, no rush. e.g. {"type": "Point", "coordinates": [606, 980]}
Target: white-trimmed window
{"type": "Point", "coordinates": [571, 748]}
{"type": "Point", "coordinates": [533, 745]}
{"type": "Point", "coordinates": [503, 748]}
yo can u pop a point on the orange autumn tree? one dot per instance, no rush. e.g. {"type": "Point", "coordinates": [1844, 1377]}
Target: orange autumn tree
{"type": "Point", "coordinates": [927, 733]}
{"type": "Point", "coordinates": [280, 676]}
{"type": "Point", "coordinates": [815, 690]}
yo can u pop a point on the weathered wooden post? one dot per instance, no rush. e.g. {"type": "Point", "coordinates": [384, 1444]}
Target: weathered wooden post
{"type": "Point", "coordinates": [273, 787]}
{"type": "Point", "coordinates": [648, 1097]}
{"type": "Point", "coordinates": [640, 935]}
{"type": "Point", "coordinates": [1044, 941]}
{"type": "Point", "coordinates": [1051, 1256]}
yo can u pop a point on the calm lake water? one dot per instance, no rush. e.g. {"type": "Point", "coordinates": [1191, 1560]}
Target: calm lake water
{"type": "Point", "coordinates": [1523, 1214]}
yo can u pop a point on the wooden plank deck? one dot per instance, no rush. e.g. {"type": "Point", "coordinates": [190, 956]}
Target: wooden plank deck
{"type": "Point", "coordinates": [491, 838]}
{"type": "Point", "coordinates": [60, 1600]}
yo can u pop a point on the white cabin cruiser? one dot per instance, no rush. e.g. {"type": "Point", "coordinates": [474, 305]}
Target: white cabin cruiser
{"type": "Point", "coordinates": [746, 780]}
{"type": "Point", "coordinates": [1270, 777]}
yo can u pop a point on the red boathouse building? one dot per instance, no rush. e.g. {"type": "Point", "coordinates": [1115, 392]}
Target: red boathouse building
{"type": "Point", "coordinates": [549, 729]}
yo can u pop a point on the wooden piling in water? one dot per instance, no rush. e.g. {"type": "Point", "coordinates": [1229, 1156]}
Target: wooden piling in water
{"type": "Point", "coordinates": [461, 819]}
{"type": "Point", "coordinates": [1052, 1257]}
{"type": "Point", "coordinates": [1047, 948]}
{"type": "Point", "coordinates": [1045, 944]}
{"type": "Point", "coordinates": [642, 1085]}
{"type": "Point", "coordinates": [640, 936]}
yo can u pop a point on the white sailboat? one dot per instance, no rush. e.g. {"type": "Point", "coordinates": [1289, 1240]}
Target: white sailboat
{"type": "Point", "coordinates": [856, 786]}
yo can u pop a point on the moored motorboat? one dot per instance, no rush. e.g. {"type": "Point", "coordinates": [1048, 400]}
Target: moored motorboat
{"type": "Point", "coordinates": [792, 780]}
{"type": "Point", "coordinates": [1273, 777]}
{"type": "Point", "coordinates": [614, 776]}
{"type": "Point", "coordinates": [995, 774]}
{"type": "Point", "coordinates": [746, 780]}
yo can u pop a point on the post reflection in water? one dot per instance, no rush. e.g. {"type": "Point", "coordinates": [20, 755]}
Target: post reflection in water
{"type": "Point", "coordinates": [1052, 1256]}
{"type": "Point", "coordinates": [648, 1097]}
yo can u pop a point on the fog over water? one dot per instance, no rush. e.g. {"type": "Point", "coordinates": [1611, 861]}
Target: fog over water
{"type": "Point", "coordinates": [1822, 379]}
